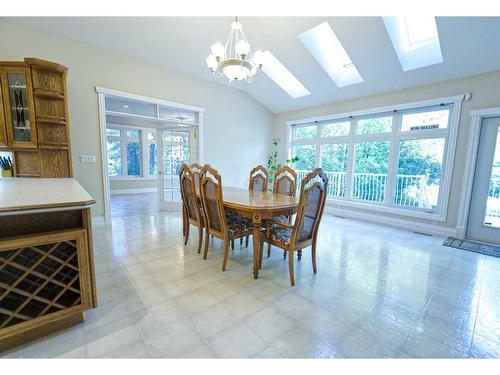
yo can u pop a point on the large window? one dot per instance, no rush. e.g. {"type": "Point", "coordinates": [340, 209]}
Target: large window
{"type": "Point", "coordinates": [131, 152]}
{"type": "Point", "coordinates": [392, 159]}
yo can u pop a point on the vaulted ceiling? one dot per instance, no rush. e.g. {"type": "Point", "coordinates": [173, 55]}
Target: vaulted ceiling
{"type": "Point", "coordinates": [469, 46]}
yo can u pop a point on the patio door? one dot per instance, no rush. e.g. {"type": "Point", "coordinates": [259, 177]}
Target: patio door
{"type": "Point", "coordinates": [174, 147]}
{"type": "Point", "coordinates": [484, 215]}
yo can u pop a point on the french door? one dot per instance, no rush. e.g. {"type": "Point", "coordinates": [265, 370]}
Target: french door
{"type": "Point", "coordinates": [484, 214]}
{"type": "Point", "coordinates": [174, 147]}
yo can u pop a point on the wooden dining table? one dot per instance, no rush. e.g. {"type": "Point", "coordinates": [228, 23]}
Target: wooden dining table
{"type": "Point", "coordinates": [258, 206]}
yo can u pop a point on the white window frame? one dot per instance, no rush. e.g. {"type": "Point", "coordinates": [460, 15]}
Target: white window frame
{"type": "Point", "coordinates": [144, 147]}
{"type": "Point", "coordinates": [450, 134]}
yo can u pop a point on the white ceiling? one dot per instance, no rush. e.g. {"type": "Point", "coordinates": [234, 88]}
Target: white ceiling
{"type": "Point", "coordinates": [469, 46]}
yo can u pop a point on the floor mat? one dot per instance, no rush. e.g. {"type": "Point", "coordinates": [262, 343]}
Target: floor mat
{"type": "Point", "coordinates": [477, 247]}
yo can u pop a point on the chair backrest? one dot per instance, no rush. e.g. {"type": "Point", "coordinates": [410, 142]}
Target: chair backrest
{"type": "Point", "coordinates": [311, 205]}
{"type": "Point", "coordinates": [285, 181]}
{"type": "Point", "coordinates": [196, 169]}
{"type": "Point", "coordinates": [259, 177]}
{"type": "Point", "coordinates": [188, 193]}
{"type": "Point", "coordinates": [211, 198]}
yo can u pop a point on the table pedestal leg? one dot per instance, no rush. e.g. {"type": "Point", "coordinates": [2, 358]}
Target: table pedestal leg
{"type": "Point", "coordinates": [256, 244]}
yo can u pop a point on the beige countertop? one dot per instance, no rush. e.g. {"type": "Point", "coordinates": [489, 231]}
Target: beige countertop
{"type": "Point", "coordinates": [27, 194]}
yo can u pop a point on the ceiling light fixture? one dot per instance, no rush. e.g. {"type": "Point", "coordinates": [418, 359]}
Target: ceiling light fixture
{"type": "Point", "coordinates": [235, 59]}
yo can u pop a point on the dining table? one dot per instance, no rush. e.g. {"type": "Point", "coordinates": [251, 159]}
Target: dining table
{"type": "Point", "coordinates": [257, 206]}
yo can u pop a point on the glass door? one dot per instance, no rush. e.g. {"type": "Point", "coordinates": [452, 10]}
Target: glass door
{"type": "Point", "coordinates": [173, 149]}
{"type": "Point", "coordinates": [484, 215]}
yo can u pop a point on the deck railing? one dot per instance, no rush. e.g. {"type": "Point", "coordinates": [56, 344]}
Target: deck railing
{"type": "Point", "coordinates": [411, 190]}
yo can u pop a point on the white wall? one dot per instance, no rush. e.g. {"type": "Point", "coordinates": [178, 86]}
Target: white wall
{"type": "Point", "coordinates": [235, 124]}
{"type": "Point", "coordinates": [485, 93]}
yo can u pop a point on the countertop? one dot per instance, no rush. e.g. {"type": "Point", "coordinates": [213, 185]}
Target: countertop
{"type": "Point", "coordinates": [26, 194]}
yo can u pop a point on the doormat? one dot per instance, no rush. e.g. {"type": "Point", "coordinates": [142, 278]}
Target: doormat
{"type": "Point", "coordinates": [477, 247]}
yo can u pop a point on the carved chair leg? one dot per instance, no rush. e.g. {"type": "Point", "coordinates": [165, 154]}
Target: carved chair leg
{"type": "Point", "coordinates": [246, 241]}
{"type": "Point", "coordinates": [284, 254]}
{"type": "Point", "coordinates": [232, 244]}
{"type": "Point", "coordinates": [226, 251]}
{"type": "Point", "coordinates": [200, 238]}
{"type": "Point", "coordinates": [290, 269]}
{"type": "Point", "coordinates": [187, 234]}
{"type": "Point", "coordinates": [299, 254]}
{"type": "Point", "coordinates": [313, 256]}
{"type": "Point", "coordinates": [268, 250]}
{"type": "Point", "coordinates": [241, 241]}
{"type": "Point", "coordinates": [207, 238]}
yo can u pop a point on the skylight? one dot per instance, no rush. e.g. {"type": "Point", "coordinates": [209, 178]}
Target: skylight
{"type": "Point", "coordinates": [326, 48]}
{"type": "Point", "coordinates": [415, 40]}
{"type": "Point", "coordinates": [275, 70]}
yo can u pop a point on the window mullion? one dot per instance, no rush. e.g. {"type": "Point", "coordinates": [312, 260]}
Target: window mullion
{"type": "Point", "coordinates": [318, 146]}
{"type": "Point", "coordinates": [393, 160]}
{"type": "Point", "coordinates": [350, 160]}
{"type": "Point", "coordinates": [123, 142]}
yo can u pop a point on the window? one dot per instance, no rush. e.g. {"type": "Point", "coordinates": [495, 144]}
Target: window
{"type": "Point", "coordinates": [394, 160]}
{"type": "Point", "coordinates": [374, 125]}
{"type": "Point", "coordinates": [335, 129]}
{"type": "Point", "coordinates": [334, 161]}
{"type": "Point", "coordinates": [126, 157]}
{"type": "Point", "coordinates": [371, 164]}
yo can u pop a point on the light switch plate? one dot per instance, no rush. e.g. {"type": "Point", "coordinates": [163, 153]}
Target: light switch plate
{"type": "Point", "coordinates": [87, 159]}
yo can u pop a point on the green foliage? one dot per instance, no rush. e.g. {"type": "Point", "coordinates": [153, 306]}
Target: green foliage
{"type": "Point", "coordinates": [272, 161]}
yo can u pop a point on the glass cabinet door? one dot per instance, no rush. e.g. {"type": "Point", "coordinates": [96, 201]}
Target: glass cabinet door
{"type": "Point", "coordinates": [19, 115]}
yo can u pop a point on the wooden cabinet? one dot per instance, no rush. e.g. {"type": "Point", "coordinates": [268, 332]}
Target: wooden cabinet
{"type": "Point", "coordinates": [18, 106]}
{"type": "Point", "coordinates": [47, 277]}
{"type": "Point", "coordinates": [34, 122]}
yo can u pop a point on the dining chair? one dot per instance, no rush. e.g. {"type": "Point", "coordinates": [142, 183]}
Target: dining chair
{"type": "Point", "coordinates": [196, 169]}
{"type": "Point", "coordinates": [219, 222]}
{"type": "Point", "coordinates": [259, 177]}
{"type": "Point", "coordinates": [285, 182]}
{"type": "Point", "coordinates": [304, 231]}
{"type": "Point", "coordinates": [192, 211]}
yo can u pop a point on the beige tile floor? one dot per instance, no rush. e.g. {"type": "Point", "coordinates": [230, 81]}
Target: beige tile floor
{"type": "Point", "coordinates": [379, 292]}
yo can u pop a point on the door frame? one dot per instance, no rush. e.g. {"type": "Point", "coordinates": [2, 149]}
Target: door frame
{"type": "Point", "coordinates": [101, 96]}
{"type": "Point", "coordinates": [477, 116]}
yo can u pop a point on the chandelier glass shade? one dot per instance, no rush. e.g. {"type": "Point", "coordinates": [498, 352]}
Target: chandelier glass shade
{"type": "Point", "coordinates": [235, 59]}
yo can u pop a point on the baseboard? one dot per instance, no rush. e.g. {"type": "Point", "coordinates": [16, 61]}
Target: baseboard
{"type": "Point", "coordinates": [431, 229]}
{"type": "Point", "coordinates": [98, 220]}
{"type": "Point", "coordinates": [133, 191]}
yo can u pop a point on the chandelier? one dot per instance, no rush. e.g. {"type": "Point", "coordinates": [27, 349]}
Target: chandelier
{"type": "Point", "coordinates": [235, 59]}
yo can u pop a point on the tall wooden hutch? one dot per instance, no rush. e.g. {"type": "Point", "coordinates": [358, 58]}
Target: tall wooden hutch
{"type": "Point", "coordinates": [34, 122]}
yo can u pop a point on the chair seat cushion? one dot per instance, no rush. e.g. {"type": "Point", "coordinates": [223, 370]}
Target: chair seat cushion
{"type": "Point", "coordinates": [237, 225]}
{"type": "Point", "coordinates": [281, 218]}
{"type": "Point", "coordinates": [281, 234]}
{"type": "Point", "coordinates": [234, 217]}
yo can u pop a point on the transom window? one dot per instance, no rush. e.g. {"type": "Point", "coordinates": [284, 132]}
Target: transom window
{"type": "Point", "coordinates": [393, 160]}
{"type": "Point", "coordinates": [131, 152]}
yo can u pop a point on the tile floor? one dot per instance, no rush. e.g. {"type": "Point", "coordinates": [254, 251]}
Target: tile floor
{"type": "Point", "coordinates": [379, 292]}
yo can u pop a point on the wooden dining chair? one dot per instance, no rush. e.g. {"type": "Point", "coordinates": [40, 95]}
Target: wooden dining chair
{"type": "Point", "coordinates": [191, 207]}
{"type": "Point", "coordinates": [219, 223]}
{"type": "Point", "coordinates": [196, 169]}
{"type": "Point", "coordinates": [304, 231]}
{"type": "Point", "coordinates": [259, 177]}
{"type": "Point", "coordinates": [285, 182]}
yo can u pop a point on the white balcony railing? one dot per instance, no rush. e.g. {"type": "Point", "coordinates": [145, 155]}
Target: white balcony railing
{"type": "Point", "coordinates": [410, 191]}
